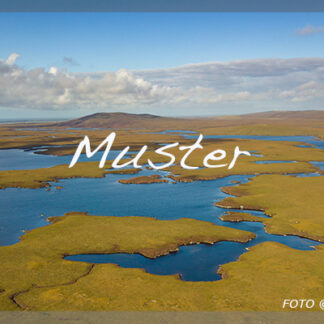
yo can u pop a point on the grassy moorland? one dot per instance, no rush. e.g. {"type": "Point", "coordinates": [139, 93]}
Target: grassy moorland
{"type": "Point", "coordinates": [37, 260]}
{"type": "Point", "coordinates": [260, 280]}
{"type": "Point", "coordinates": [39, 279]}
{"type": "Point", "coordinates": [39, 178]}
{"type": "Point", "coordinates": [143, 180]}
{"type": "Point", "coordinates": [270, 150]}
{"type": "Point", "coordinates": [61, 141]}
{"type": "Point", "coordinates": [236, 217]}
{"type": "Point", "coordinates": [133, 129]}
{"type": "Point", "coordinates": [295, 204]}
{"type": "Point", "coordinates": [271, 123]}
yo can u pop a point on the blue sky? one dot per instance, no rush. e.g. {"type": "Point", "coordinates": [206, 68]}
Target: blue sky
{"type": "Point", "coordinates": [108, 42]}
{"type": "Point", "coordinates": [103, 41]}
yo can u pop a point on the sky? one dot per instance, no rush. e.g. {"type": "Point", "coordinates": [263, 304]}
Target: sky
{"type": "Point", "coordinates": [64, 65]}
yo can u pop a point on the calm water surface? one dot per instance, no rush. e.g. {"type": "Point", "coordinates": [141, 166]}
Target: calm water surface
{"type": "Point", "coordinates": [311, 140]}
{"type": "Point", "coordinates": [25, 209]}
{"type": "Point", "coordinates": [15, 159]}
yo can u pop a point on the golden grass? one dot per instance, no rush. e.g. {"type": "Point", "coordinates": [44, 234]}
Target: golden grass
{"type": "Point", "coordinates": [285, 125]}
{"type": "Point", "coordinates": [295, 204]}
{"type": "Point", "coordinates": [39, 178]}
{"type": "Point", "coordinates": [37, 261]}
{"type": "Point", "coordinates": [255, 282]}
{"type": "Point", "coordinates": [144, 180]}
{"type": "Point", "coordinates": [37, 278]}
{"type": "Point", "coordinates": [259, 281]}
{"type": "Point", "coordinates": [236, 217]}
{"type": "Point", "coordinates": [286, 151]}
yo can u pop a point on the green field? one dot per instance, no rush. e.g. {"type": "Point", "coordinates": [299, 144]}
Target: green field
{"type": "Point", "coordinates": [38, 278]}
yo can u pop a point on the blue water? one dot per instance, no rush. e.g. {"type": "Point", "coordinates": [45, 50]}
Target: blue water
{"type": "Point", "coordinates": [16, 159]}
{"type": "Point", "coordinates": [319, 164]}
{"type": "Point", "coordinates": [194, 200]}
{"type": "Point", "coordinates": [192, 263]}
{"type": "Point", "coordinates": [172, 132]}
{"type": "Point", "coordinates": [306, 139]}
{"type": "Point", "coordinates": [25, 209]}
{"type": "Point", "coordinates": [274, 161]}
{"type": "Point", "coordinates": [311, 174]}
{"type": "Point", "coordinates": [197, 262]}
{"type": "Point", "coordinates": [305, 145]}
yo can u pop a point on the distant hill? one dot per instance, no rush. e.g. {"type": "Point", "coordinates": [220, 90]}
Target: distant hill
{"type": "Point", "coordinates": [116, 120]}
{"type": "Point", "coordinates": [146, 121]}
{"type": "Point", "coordinates": [304, 114]}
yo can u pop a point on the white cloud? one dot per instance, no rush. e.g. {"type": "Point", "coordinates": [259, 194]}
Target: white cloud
{"type": "Point", "coordinates": [12, 58]}
{"type": "Point", "coordinates": [309, 30]}
{"type": "Point", "coordinates": [53, 70]}
{"type": "Point", "coordinates": [263, 82]}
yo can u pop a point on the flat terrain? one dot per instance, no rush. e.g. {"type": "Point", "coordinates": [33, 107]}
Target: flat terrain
{"type": "Point", "coordinates": [136, 130]}
{"type": "Point", "coordinates": [295, 204]}
{"type": "Point", "coordinates": [260, 280]}
{"type": "Point", "coordinates": [143, 180]}
{"type": "Point", "coordinates": [236, 217]}
{"type": "Point", "coordinates": [37, 261]}
{"type": "Point", "coordinates": [270, 150]}
{"type": "Point", "coordinates": [38, 278]}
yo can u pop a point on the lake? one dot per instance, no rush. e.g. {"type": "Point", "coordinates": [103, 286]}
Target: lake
{"type": "Point", "coordinates": [25, 209]}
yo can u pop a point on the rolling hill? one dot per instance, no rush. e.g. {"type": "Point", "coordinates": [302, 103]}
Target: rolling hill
{"type": "Point", "coordinates": [118, 120]}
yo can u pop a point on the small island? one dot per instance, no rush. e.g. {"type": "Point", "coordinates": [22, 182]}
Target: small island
{"type": "Point", "coordinates": [144, 180]}
{"type": "Point", "coordinates": [236, 217]}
